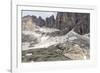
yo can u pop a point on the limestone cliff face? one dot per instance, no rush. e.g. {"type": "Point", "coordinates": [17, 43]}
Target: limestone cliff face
{"type": "Point", "coordinates": [50, 21]}
{"type": "Point", "coordinates": [28, 24]}
{"type": "Point", "coordinates": [77, 21]}
{"type": "Point", "coordinates": [40, 22]}
{"type": "Point", "coordinates": [82, 23]}
{"type": "Point", "coordinates": [65, 21]}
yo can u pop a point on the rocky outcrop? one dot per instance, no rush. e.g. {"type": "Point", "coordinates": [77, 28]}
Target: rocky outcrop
{"type": "Point", "coordinates": [80, 22]}
{"type": "Point", "coordinates": [65, 21]}
{"type": "Point", "coordinates": [40, 22]}
{"type": "Point", "coordinates": [29, 38]}
{"type": "Point", "coordinates": [27, 23]}
{"type": "Point", "coordinates": [73, 51]}
{"type": "Point", "coordinates": [30, 23]}
{"type": "Point", "coordinates": [50, 21]}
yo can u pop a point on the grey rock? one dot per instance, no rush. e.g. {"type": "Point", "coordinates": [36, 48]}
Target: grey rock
{"type": "Point", "coordinates": [80, 22]}
{"type": "Point", "coordinates": [50, 21]}
{"type": "Point", "coordinates": [40, 22]}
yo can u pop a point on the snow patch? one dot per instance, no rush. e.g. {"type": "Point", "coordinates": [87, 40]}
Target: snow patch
{"type": "Point", "coordinates": [48, 30]}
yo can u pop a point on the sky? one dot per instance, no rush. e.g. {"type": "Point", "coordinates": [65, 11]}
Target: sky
{"type": "Point", "coordinates": [43, 14]}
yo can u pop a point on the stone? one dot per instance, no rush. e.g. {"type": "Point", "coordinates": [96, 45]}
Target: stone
{"type": "Point", "coordinates": [50, 21]}
{"type": "Point", "coordinates": [75, 53]}
{"type": "Point", "coordinates": [40, 22]}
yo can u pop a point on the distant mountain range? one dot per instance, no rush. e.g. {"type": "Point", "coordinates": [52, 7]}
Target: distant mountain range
{"type": "Point", "coordinates": [65, 22]}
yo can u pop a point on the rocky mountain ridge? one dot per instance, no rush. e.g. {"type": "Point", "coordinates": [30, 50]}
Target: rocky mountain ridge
{"type": "Point", "coordinates": [65, 21]}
